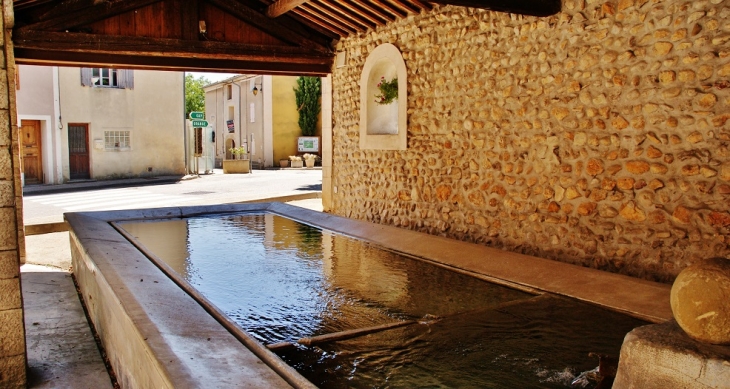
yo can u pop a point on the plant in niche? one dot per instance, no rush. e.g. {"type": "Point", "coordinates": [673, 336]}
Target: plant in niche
{"type": "Point", "coordinates": [388, 91]}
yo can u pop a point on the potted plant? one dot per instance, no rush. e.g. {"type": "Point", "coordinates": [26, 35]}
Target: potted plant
{"type": "Point", "coordinates": [388, 91]}
{"type": "Point", "coordinates": [309, 160]}
{"type": "Point", "coordinates": [296, 161]}
{"type": "Point", "coordinates": [284, 162]}
{"type": "Point", "coordinates": [239, 163]}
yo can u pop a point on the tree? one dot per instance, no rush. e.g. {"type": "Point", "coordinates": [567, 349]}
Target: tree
{"type": "Point", "coordinates": [194, 94]}
{"type": "Point", "coordinates": [308, 93]}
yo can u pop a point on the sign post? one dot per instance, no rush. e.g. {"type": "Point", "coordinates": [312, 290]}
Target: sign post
{"type": "Point", "coordinates": [200, 123]}
{"type": "Point", "coordinates": [197, 115]}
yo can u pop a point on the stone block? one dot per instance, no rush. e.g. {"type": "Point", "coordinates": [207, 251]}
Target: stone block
{"type": "Point", "coordinates": [12, 372]}
{"type": "Point", "coordinates": [9, 267]}
{"type": "Point", "coordinates": [8, 234]}
{"type": "Point", "coordinates": [12, 337]}
{"type": "Point", "coordinates": [663, 356]}
{"type": "Point", "coordinates": [7, 195]}
{"type": "Point", "coordinates": [5, 140]}
{"type": "Point", "coordinates": [6, 163]}
{"type": "Point", "coordinates": [3, 96]}
{"type": "Point", "coordinates": [9, 294]}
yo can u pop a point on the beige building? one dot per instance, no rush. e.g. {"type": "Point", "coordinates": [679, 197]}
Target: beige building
{"type": "Point", "coordinates": [99, 123]}
{"type": "Point", "coordinates": [265, 121]}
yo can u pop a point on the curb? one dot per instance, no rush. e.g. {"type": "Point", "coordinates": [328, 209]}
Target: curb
{"type": "Point", "coordinates": [87, 185]}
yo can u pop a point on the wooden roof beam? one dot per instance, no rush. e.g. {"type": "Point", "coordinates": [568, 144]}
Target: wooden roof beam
{"type": "Point", "coordinates": [305, 9]}
{"type": "Point", "coordinates": [409, 8]}
{"type": "Point", "coordinates": [38, 41]}
{"type": "Point", "coordinates": [389, 8]}
{"type": "Point", "coordinates": [339, 17]}
{"type": "Point", "coordinates": [268, 25]}
{"type": "Point", "coordinates": [375, 11]}
{"type": "Point", "coordinates": [280, 7]}
{"type": "Point", "coordinates": [361, 16]}
{"type": "Point", "coordinates": [341, 31]}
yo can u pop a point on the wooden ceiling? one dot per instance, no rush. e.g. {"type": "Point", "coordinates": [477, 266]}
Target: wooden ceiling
{"type": "Point", "coordinates": [238, 36]}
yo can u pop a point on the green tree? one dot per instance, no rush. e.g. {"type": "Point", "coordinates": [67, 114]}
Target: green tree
{"type": "Point", "coordinates": [308, 93]}
{"type": "Point", "coordinates": [194, 94]}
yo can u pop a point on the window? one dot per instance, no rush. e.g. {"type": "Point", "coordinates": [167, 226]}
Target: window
{"type": "Point", "coordinates": [104, 77]}
{"type": "Point", "coordinates": [107, 78]}
{"type": "Point", "coordinates": [229, 90]}
{"type": "Point", "coordinates": [116, 140]}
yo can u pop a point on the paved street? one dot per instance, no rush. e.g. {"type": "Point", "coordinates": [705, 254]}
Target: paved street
{"type": "Point", "coordinates": [215, 188]}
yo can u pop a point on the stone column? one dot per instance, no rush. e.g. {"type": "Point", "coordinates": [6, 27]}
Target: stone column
{"type": "Point", "coordinates": [12, 332]}
{"type": "Point", "coordinates": [327, 189]}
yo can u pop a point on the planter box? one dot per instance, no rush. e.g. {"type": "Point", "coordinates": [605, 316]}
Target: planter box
{"type": "Point", "coordinates": [236, 166]}
{"type": "Point", "coordinates": [309, 163]}
{"type": "Point", "coordinates": [297, 163]}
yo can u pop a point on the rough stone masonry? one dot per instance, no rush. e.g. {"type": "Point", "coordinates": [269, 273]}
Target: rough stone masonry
{"type": "Point", "coordinates": [598, 136]}
{"type": "Point", "coordinates": [12, 333]}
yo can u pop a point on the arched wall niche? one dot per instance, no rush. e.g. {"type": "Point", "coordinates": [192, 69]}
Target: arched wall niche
{"type": "Point", "coordinates": [383, 127]}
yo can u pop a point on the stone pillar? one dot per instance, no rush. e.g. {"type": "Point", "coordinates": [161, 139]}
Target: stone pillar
{"type": "Point", "coordinates": [327, 143]}
{"type": "Point", "coordinates": [12, 332]}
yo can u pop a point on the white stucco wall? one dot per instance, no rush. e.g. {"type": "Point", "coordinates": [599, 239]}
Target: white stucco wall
{"type": "Point", "coordinates": [153, 112]}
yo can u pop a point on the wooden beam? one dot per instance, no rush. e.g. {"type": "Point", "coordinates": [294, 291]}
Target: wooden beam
{"type": "Point", "coordinates": [268, 25]}
{"type": "Point", "coordinates": [280, 7]}
{"type": "Point", "coordinates": [161, 47]}
{"type": "Point", "coordinates": [389, 8]}
{"type": "Point", "coordinates": [333, 15]}
{"type": "Point", "coordinates": [306, 10]}
{"type": "Point", "coordinates": [321, 22]}
{"type": "Point", "coordinates": [356, 16]}
{"type": "Point", "coordinates": [375, 11]}
{"type": "Point", "coordinates": [190, 17]}
{"type": "Point", "coordinates": [87, 15]}
{"type": "Point", "coordinates": [372, 18]}
{"type": "Point", "coordinates": [524, 7]}
{"type": "Point", "coordinates": [405, 6]}
{"type": "Point", "coordinates": [167, 63]}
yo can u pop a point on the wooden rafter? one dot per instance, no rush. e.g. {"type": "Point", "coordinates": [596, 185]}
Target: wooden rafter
{"type": "Point", "coordinates": [389, 8]}
{"type": "Point", "coordinates": [271, 26]}
{"type": "Point", "coordinates": [316, 19]}
{"type": "Point", "coordinates": [375, 20]}
{"type": "Point", "coordinates": [376, 11]}
{"type": "Point", "coordinates": [360, 18]}
{"type": "Point", "coordinates": [404, 6]}
{"type": "Point", "coordinates": [334, 15]}
{"type": "Point", "coordinates": [280, 7]}
{"type": "Point", "coordinates": [305, 9]}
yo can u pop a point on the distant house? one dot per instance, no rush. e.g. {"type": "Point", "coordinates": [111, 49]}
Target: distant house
{"type": "Point", "coordinates": [258, 112]}
{"type": "Point", "coordinates": [99, 123]}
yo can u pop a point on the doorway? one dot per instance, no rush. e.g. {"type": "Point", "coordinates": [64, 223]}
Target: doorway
{"type": "Point", "coordinates": [78, 151]}
{"type": "Point", "coordinates": [32, 151]}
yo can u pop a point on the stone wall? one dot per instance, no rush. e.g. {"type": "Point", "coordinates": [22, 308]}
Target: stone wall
{"type": "Point", "coordinates": [12, 333]}
{"type": "Point", "coordinates": [598, 136]}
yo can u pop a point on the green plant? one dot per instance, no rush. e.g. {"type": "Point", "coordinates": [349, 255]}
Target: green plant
{"type": "Point", "coordinates": [237, 151]}
{"type": "Point", "coordinates": [194, 94]}
{"type": "Point", "coordinates": [388, 91]}
{"type": "Point", "coordinates": [309, 156]}
{"type": "Point", "coordinates": [307, 95]}
{"type": "Point", "coordinates": [295, 158]}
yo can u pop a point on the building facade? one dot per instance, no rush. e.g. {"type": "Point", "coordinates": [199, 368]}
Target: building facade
{"type": "Point", "coordinates": [265, 122]}
{"type": "Point", "coordinates": [99, 123]}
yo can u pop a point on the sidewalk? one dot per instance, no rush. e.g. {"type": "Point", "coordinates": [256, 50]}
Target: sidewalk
{"type": "Point", "coordinates": [62, 352]}
{"type": "Point", "coordinates": [30, 190]}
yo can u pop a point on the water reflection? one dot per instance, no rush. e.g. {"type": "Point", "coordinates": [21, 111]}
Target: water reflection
{"type": "Point", "coordinates": [281, 281]}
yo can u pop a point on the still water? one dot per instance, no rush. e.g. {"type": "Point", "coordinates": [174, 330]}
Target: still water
{"type": "Point", "coordinates": [281, 281]}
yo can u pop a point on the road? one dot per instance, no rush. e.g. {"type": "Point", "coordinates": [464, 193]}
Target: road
{"type": "Point", "coordinates": [215, 188]}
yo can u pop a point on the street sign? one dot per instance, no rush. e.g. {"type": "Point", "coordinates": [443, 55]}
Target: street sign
{"type": "Point", "coordinates": [196, 115]}
{"type": "Point", "coordinates": [200, 123]}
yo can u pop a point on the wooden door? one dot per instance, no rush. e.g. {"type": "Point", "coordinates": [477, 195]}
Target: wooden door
{"type": "Point", "coordinates": [78, 151]}
{"type": "Point", "coordinates": [32, 151]}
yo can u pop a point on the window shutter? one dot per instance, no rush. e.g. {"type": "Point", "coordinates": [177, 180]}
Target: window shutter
{"type": "Point", "coordinates": [125, 78]}
{"type": "Point", "coordinates": [85, 76]}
